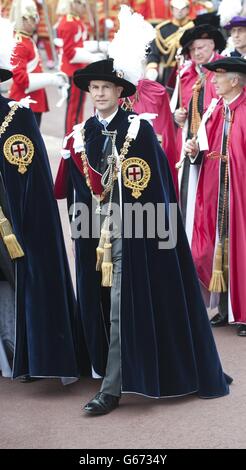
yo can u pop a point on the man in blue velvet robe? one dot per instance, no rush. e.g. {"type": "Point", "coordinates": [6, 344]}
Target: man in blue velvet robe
{"type": "Point", "coordinates": [33, 260]}
{"type": "Point", "coordinates": [160, 343]}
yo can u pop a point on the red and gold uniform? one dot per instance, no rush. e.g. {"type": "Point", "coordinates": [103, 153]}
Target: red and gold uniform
{"type": "Point", "coordinates": [199, 7]}
{"type": "Point", "coordinates": [25, 60]}
{"type": "Point", "coordinates": [153, 11]}
{"type": "Point", "coordinates": [72, 31]}
{"type": "Point", "coordinates": [156, 11]}
{"type": "Point", "coordinates": [113, 11]}
{"type": "Point", "coordinates": [42, 29]}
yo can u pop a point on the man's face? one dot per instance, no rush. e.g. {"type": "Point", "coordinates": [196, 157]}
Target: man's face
{"type": "Point", "coordinates": [105, 96]}
{"type": "Point", "coordinates": [201, 50]}
{"type": "Point", "coordinates": [180, 13]}
{"type": "Point", "coordinates": [78, 7]}
{"type": "Point", "coordinates": [30, 24]}
{"type": "Point", "coordinates": [238, 35]}
{"type": "Point", "coordinates": [223, 83]}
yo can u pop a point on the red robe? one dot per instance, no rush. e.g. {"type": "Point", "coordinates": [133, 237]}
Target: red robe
{"type": "Point", "coordinates": [188, 80]}
{"type": "Point", "coordinates": [204, 234]}
{"type": "Point", "coordinates": [26, 59]}
{"type": "Point", "coordinates": [153, 98]}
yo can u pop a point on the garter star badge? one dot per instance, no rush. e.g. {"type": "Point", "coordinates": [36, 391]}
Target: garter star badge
{"type": "Point", "coordinates": [19, 150]}
{"type": "Point", "coordinates": [136, 175]}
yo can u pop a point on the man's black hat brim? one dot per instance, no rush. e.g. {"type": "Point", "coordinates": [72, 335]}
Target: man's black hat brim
{"type": "Point", "coordinates": [5, 75]}
{"type": "Point", "coordinates": [204, 31]}
{"type": "Point", "coordinates": [227, 64]}
{"type": "Point", "coordinates": [102, 70]}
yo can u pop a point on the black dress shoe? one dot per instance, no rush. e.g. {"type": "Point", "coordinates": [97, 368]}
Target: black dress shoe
{"type": "Point", "coordinates": [27, 378]}
{"type": "Point", "coordinates": [101, 404]}
{"type": "Point", "coordinates": [219, 320]}
{"type": "Point", "coordinates": [241, 329]}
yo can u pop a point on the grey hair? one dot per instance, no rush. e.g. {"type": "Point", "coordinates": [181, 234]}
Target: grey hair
{"type": "Point", "coordinates": [241, 78]}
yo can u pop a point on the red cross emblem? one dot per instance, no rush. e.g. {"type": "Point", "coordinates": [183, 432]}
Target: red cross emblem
{"type": "Point", "coordinates": [19, 150]}
{"type": "Point", "coordinates": [134, 173]}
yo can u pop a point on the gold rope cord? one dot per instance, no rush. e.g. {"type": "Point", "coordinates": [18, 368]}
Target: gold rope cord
{"type": "Point", "coordinates": [195, 115]}
{"type": "Point", "coordinates": [122, 157]}
{"type": "Point", "coordinates": [169, 45]}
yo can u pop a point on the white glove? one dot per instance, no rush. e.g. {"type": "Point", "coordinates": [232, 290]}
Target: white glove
{"type": "Point", "coordinates": [59, 79]}
{"type": "Point", "coordinates": [151, 74]}
{"type": "Point", "coordinates": [38, 81]}
{"type": "Point", "coordinates": [103, 46]}
{"type": "Point", "coordinates": [109, 23]}
{"type": "Point", "coordinates": [58, 42]}
{"type": "Point", "coordinates": [82, 55]}
{"type": "Point", "coordinates": [96, 46]}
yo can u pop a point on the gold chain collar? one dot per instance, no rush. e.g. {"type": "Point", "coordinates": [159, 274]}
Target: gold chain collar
{"type": "Point", "coordinates": [123, 153]}
{"type": "Point", "coordinates": [8, 119]}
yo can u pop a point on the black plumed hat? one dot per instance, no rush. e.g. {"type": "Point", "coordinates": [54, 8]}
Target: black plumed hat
{"type": "Point", "coordinates": [204, 31]}
{"type": "Point", "coordinates": [102, 70]}
{"type": "Point", "coordinates": [227, 64]}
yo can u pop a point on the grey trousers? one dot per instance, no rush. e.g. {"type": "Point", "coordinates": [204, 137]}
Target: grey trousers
{"type": "Point", "coordinates": [112, 381]}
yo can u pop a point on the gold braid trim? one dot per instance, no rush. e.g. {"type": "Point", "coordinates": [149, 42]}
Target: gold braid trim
{"type": "Point", "coordinates": [168, 46]}
{"type": "Point", "coordinates": [8, 119]}
{"type": "Point", "coordinates": [123, 153]}
{"type": "Point", "coordinates": [195, 116]}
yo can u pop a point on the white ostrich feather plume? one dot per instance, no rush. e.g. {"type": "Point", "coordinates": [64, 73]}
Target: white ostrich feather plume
{"type": "Point", "coordinates": [228, 9]}
{"type": "Point", "coordinates": [128, 48]}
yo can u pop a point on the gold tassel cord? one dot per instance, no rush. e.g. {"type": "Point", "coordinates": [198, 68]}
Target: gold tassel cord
{"type": "Point", "coordinates": [103, 251]}
{"type": "Point", "coordinates": [219, 279]}
{"type": "Point", "coordinates": [100, 249]}
{"type": "Point", "coordinates": [195, 118]}
{"type": "Point", "coordinates": [217, 283]}
{"type": "Point", "coordinates": [107, 266]}
{"type": "Point", "coordinates": [169, 45]}
{"type": "Point", "coordinates": [9, 238]}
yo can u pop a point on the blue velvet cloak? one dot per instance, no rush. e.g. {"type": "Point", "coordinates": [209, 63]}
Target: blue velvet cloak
{"type": "Point", "coordinates": [45, 343]}
{"type": "Point", "coordinates": [167, 346]}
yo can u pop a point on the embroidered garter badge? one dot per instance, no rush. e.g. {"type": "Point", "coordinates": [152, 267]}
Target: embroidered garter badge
{"type": "Point", "coordinates": [19, 150]}
{"type": "Point", "coordinates": [136, 175]}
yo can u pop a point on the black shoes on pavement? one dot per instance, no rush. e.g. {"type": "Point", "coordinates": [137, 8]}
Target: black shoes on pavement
{"type": "Point", "coordinates": [101, 404]}
{"type": "Point", "coordinates": [219, 320]}
{"type": "Point", "coordinates": [241, 329]}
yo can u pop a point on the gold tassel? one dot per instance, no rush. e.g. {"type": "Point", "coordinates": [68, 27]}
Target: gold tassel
{"type": "Point", "coordinates": [107, 266]}
{"type": "Point", "coordinates": [100, 250]}
{"type": "Point", "coordinates": [217, 283]}
{"type": "Point", "coordinates": [9, 238]}
{"type": "Point", "coordinates": [226, 260]}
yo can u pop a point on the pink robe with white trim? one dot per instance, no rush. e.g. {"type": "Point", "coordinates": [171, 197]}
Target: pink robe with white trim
{"type": "Point", "coordinates": [205, 222]}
